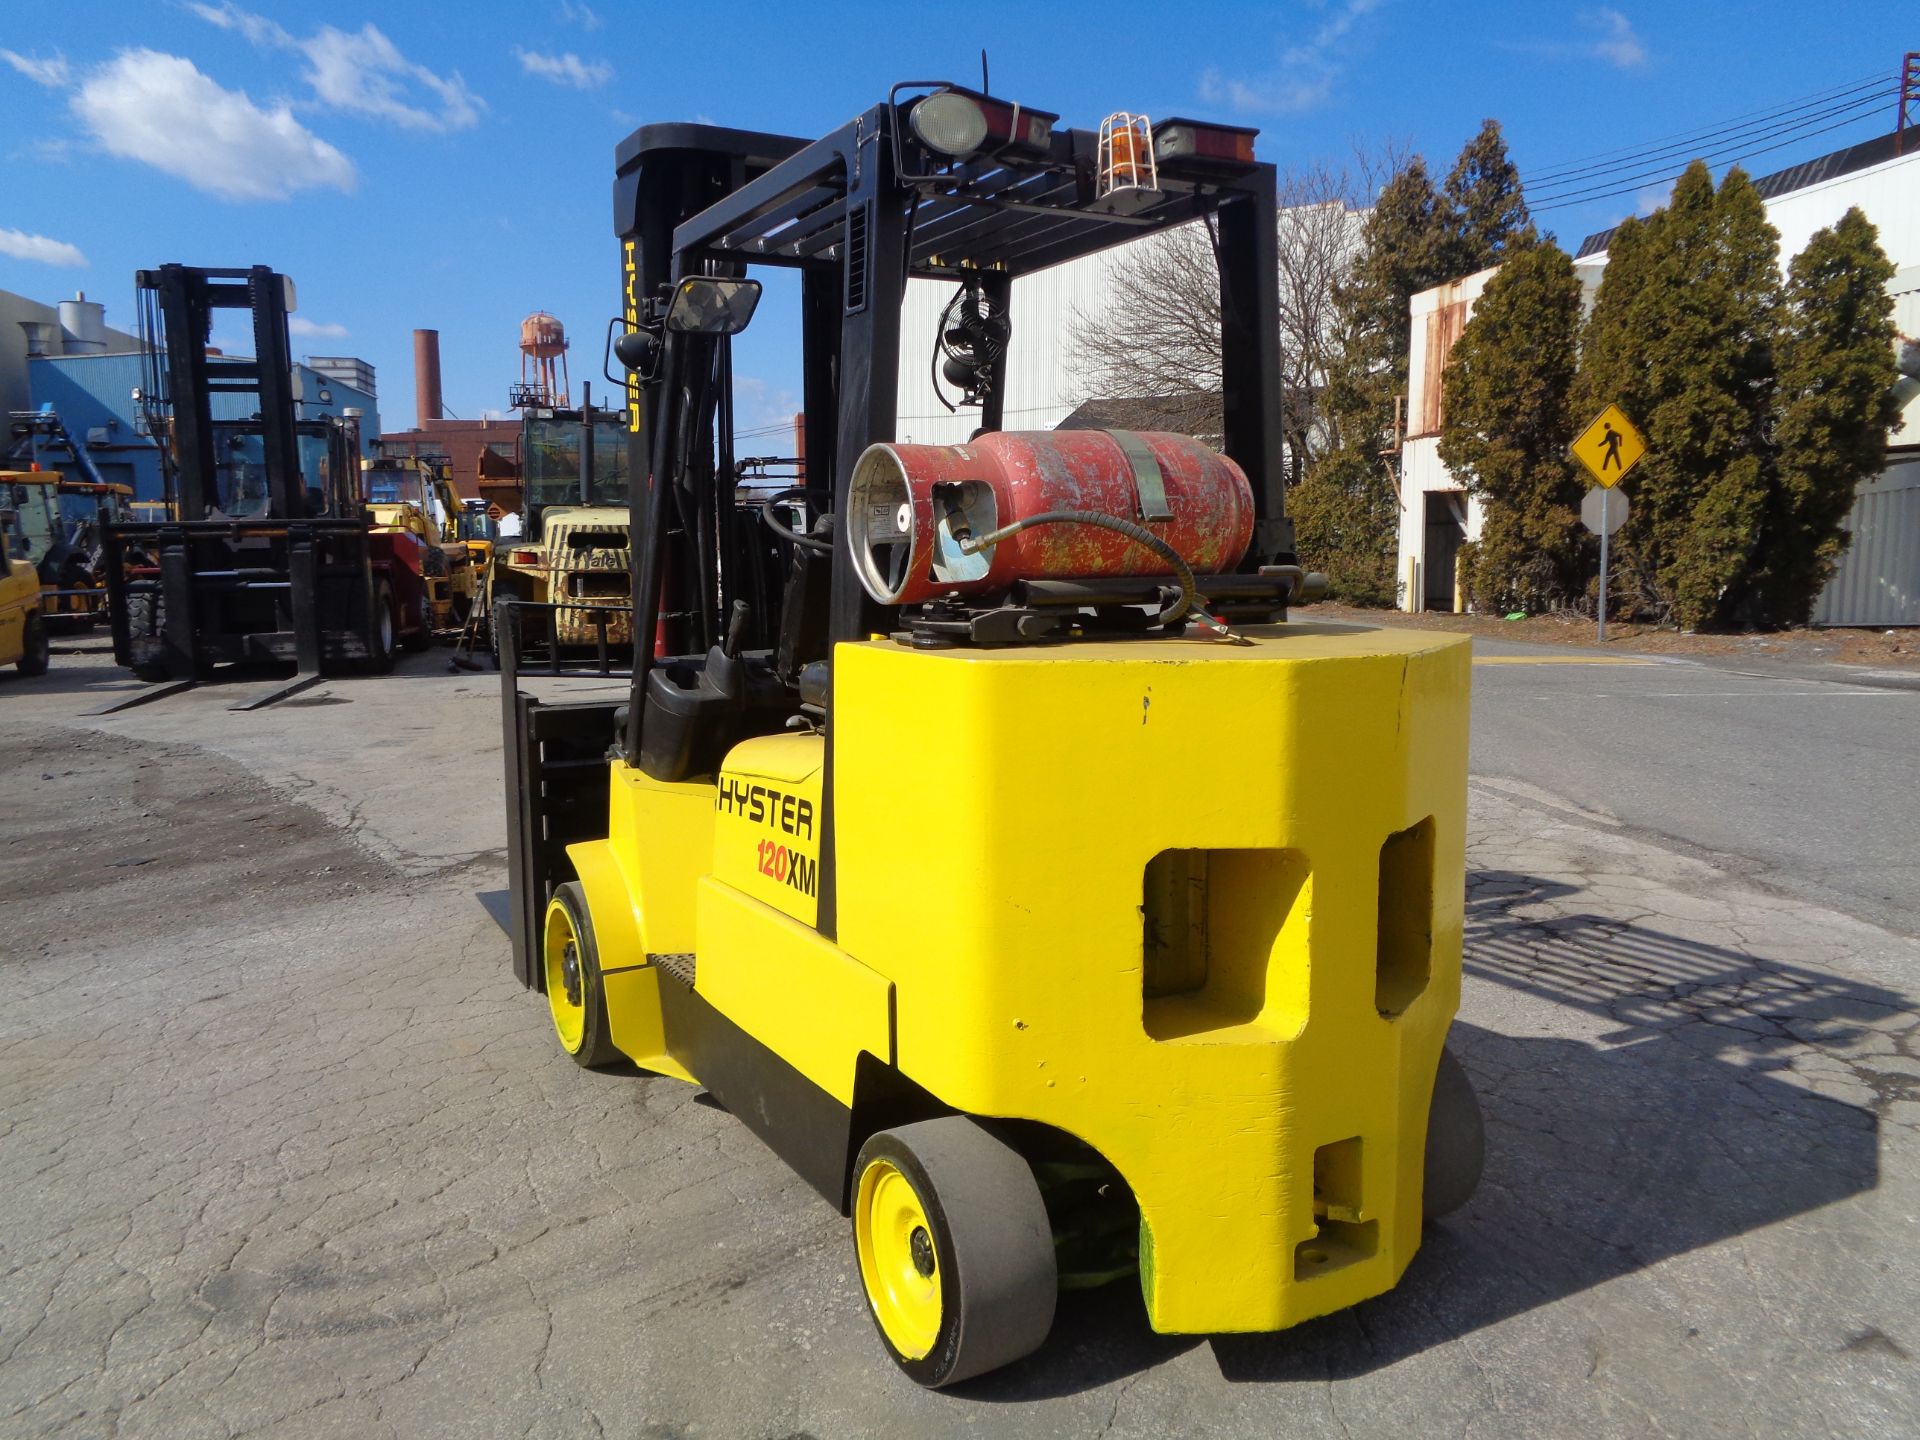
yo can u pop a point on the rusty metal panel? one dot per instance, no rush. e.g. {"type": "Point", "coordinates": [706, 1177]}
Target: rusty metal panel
{"type": "Point", "coordinates": [1878, 579]}
{"type": "Point", "coordinates": [1444, 325]}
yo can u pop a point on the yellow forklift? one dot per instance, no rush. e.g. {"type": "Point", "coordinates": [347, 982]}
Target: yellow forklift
{"type": "Point", "coordinates": [66, 518]}
{"type": "Point", "coordinates": [23, 621]}
{"type": "Point", "coordinates": [979, 829]}
{"type": "Point", "coordinates": [411, 496]}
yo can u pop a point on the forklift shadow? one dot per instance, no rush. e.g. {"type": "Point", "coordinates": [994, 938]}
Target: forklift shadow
{"type": "Point", "coordinates": [1676, 1126]}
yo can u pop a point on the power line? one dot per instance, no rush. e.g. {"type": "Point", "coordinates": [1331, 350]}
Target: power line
{"type": "Point", "coordinates": [1850, 95]}
{"type": "Point", "coordinates": [1735, 149]}
{"type": "Point", "coordinates": [1745, 155]}
{"type": "Point", "coordinates": [1626, 153]}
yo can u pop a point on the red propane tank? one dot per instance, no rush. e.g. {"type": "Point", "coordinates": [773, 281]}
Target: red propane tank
{"type": "Point", "coordinates": [910, 506]}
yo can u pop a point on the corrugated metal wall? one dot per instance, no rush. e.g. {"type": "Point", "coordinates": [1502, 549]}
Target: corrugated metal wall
{"type": "Point", "coordinates": [1878, 581]}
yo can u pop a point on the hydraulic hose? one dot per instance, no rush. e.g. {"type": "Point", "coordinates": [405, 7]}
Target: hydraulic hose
{"type": "Point", "coordinates": [1190, 601]}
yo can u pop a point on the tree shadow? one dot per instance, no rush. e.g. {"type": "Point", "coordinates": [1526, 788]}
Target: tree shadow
{"type": "Point", "coordinates": [1671, 1131]}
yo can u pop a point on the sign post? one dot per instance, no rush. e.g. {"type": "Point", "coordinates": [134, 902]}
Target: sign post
{"type": "Point", "coordinates": [1609, 448]}
{"type": "Point", "coordinates": [1606, 538]}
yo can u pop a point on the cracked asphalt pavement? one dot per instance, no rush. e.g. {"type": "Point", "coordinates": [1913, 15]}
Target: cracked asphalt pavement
{"type": "Point", "coordinates": [286, 1151]}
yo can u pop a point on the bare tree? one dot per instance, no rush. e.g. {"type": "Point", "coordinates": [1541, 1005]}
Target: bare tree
{"type": "Point", "coordinates": [1156, 330]}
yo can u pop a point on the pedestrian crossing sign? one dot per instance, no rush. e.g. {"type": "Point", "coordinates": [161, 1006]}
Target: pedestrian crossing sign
{"type": "Point", "coordinates": [1609, 447]}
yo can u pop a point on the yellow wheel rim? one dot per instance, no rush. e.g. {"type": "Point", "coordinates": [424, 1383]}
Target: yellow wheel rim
{"type": "Point", "coordinates": [898, 1264]}
{"type": "Point", "coordinates": [566, 993]}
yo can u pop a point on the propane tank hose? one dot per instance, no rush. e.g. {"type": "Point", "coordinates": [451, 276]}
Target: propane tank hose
{"type": "Point", "coordinates": [1190, 600]}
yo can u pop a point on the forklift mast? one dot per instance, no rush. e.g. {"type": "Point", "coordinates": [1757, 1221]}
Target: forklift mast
{"type": "Point", "coordinates": [178, 305]}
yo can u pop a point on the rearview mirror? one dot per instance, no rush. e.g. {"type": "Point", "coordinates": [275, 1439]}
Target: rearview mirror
{"type": "Point", "coordinates": [706, 306]}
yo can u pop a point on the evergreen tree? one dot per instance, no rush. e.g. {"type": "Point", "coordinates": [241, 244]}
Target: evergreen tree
{"type": "Point", "coordinates": [1506, 428]}
{"type": "Point", "coordinates": [1489, 211]}
{"type": "Point", "coordinates": [1346, 512]}
{"type": "Point", "coordinates": [1346, 518]}
{"type": "Point", "coordinates": [1834, 406]}
{"type": "Point", "coordinates": [1403, 250]}
{"type": "Point", "coordinates": [1681, 337]}
{"type": "Point", "coordinates": [1417, 235]}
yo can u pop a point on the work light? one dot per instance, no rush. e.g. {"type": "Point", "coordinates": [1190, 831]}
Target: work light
{"type": "Point", "coordinates": [950, 123]}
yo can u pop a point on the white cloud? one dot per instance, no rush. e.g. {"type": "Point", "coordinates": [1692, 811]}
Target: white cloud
{"type": "Point", "coordinates": [365, 72]}
{"type": "Point", "coordinates": [54, 72]}
{"type": "Point", "coordinates": [581, 15]}
{"type": "Point", "coordinates": [567, 69]}
{"type": "Point", "coordinates": [257, 28]}
{"type": "Point", "coordinates": [1612, 41]}
{"type": "Point", "coordinates": [1617, 45]}
{"type": "Point", "coordinates": [361, 72]}
{"type": "Point", "coordinates": [1306, 73]}
{"type": "Point", "coordinates": [300, 325]}
{"type": "Point", "coordinates": [22, 246]}
{"type": "Point", "coordinates": [160, 110]}
{"type": "Point", "coordinates": [1653, 198]}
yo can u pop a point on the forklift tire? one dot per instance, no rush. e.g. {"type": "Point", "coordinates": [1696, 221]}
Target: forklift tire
{"type": "Point", "coordinates": [421, 636]}
{"type": "Point", "coordinates": [576, 997]}
{"type": "Point", "coordinates": [955, 1251]}
{"type": "Point", "coordinates": [35, 649]}
{"type": "Point", "coordinates": [380, 658]}
{"type": "Point", "coordinates": [143, 623]}
{"type": "Point", "coordinates": [1456, 1141]}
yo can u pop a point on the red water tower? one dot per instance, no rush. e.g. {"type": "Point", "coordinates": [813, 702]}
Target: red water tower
{"type": "Point", "coordinates": [543, 362]}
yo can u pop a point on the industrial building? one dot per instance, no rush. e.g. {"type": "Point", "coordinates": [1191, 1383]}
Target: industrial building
{"type": "Point", "coordinates": [93, 394]}
{"type": "Point", "coordinates": [29, 328]}
{"type": "Point", "coordinates": [483, 456]}
{"type": "Point", "coordinates": [1044, 389]}
{"type": "Point", "coordinates": [66, 357]}
{"type": "Point", "coordinates": [1878, 581]}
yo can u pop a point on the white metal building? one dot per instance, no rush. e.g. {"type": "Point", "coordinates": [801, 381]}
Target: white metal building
{"type": "Point", "coordinates": [1042, 385]}
{"type": "Point", "coordinates": [1879, 581]}
{"type": "Point", "coordinates": [1041, 389]}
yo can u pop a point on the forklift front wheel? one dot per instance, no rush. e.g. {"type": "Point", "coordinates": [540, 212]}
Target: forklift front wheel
{"type": "Point", "coordinates": [575, 995]}
{"type": "Point", "coordinates": [380, 633]}
{"type": "Point", "coordinates": [955, 1251]}
{"type": "Point", "coordinates": [35, 651]}
{"type": "Point", "coordinates": [421, 636]}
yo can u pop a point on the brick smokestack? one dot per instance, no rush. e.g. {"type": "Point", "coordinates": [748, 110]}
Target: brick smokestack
{"type": "Point", "coordinates": [426, 377]}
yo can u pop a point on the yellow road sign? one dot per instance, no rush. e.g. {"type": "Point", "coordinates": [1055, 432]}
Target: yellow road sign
{"type": "Point", "coordinates": [1609, 447]}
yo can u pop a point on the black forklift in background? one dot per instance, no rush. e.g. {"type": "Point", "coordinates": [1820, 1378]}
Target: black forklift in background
{"type": "Point", "coordinates": [267, 555]}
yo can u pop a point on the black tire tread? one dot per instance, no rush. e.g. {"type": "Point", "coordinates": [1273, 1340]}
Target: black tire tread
{"type": "Point", "coordinates": [35, 647]}
{"type": "Point", "coordinates": [597, 1050]}
{"type": "Point", "coordinates": [994, 1242]}
{"type": "Point", "coordinates": [1456, 1141]}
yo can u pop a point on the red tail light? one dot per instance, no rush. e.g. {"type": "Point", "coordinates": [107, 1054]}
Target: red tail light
{"type": "Point", "coordinates": [1189, 143]}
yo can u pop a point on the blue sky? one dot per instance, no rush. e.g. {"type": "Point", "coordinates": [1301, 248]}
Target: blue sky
{"type": "Point", "coordinates": [416, 164]}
